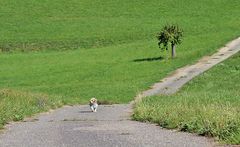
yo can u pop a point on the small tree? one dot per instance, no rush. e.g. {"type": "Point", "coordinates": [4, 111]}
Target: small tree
{"type": "Point", "coordinates": [170, 34]}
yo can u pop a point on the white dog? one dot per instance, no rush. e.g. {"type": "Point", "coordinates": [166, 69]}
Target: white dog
{"type": "Point", "coordinates": [93, 104]}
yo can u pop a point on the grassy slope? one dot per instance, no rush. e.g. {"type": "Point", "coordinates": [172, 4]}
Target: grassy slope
{"type": "Point", "coordinates": [61, 24]}
{"type": "Point", "coordinates": [208, 105]}
{"type": "Point", "coordinates": [106, 72]}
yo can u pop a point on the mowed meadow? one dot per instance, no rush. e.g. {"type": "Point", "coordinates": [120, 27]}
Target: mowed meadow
{"type": "Point", "coordinates": [73, 24]}
{"type": "Point", "coordinates": [64, 52]}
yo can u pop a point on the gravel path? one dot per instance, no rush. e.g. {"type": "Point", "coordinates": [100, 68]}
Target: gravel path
{"type": "Point", "coordinates": [111, 126]}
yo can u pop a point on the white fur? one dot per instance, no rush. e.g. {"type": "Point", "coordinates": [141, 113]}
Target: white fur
{"type": "Point", "coordinates": [93, 104]}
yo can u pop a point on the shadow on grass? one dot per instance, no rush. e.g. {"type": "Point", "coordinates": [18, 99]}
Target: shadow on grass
{"type": "Point", "coordinates": [148, 59]}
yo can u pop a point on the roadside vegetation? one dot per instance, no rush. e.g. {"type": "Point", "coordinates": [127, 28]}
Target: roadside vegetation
{"type": "Point", "coordinates": [15, 105]}
{"type": "Point", "coordinates": [209, 105]}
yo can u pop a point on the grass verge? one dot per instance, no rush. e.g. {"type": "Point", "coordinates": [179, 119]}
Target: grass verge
{"type": "Point", "coordinates": [15, 105]}
{"type": "Point", "coordinates": [209, 105]}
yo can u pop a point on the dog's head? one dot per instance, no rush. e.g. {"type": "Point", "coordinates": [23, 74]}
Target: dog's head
{"type": "Point", "coordinates": [93, 100]}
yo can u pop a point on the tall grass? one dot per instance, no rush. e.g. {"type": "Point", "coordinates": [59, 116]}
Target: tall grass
{"type": "Point", "coordinates": [15, 105]}
{"type": "Point", "coordinates": [209, 105]}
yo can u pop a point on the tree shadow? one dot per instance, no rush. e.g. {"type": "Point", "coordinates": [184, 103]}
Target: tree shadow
{"type": "Point", "coordinates": [148, 59]}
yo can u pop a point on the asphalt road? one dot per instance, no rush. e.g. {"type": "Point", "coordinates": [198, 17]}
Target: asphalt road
{"type": "Point", "coordinates": [77, 126]}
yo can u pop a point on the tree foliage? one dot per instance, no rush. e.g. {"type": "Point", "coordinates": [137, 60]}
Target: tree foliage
{"type": "Point", "coordinates": [170, 34]}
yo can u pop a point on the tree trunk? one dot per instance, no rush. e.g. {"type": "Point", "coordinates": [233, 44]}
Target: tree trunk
{"type": "Point", "coordinates": [173, 50]}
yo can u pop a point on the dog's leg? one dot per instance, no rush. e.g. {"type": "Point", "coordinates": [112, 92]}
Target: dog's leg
{"type": "Point", "coordinates": [95, 107]}
{"type": "Point", "coordinates": [92, 108]}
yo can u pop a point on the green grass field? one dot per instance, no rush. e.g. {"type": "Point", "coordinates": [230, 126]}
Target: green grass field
{"type": "Point", "coordinates": [73, 24]}
{"type": "Point", "coordinates": [101, 48]}
{"type": "Point", "coordinates": [208, 105]}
